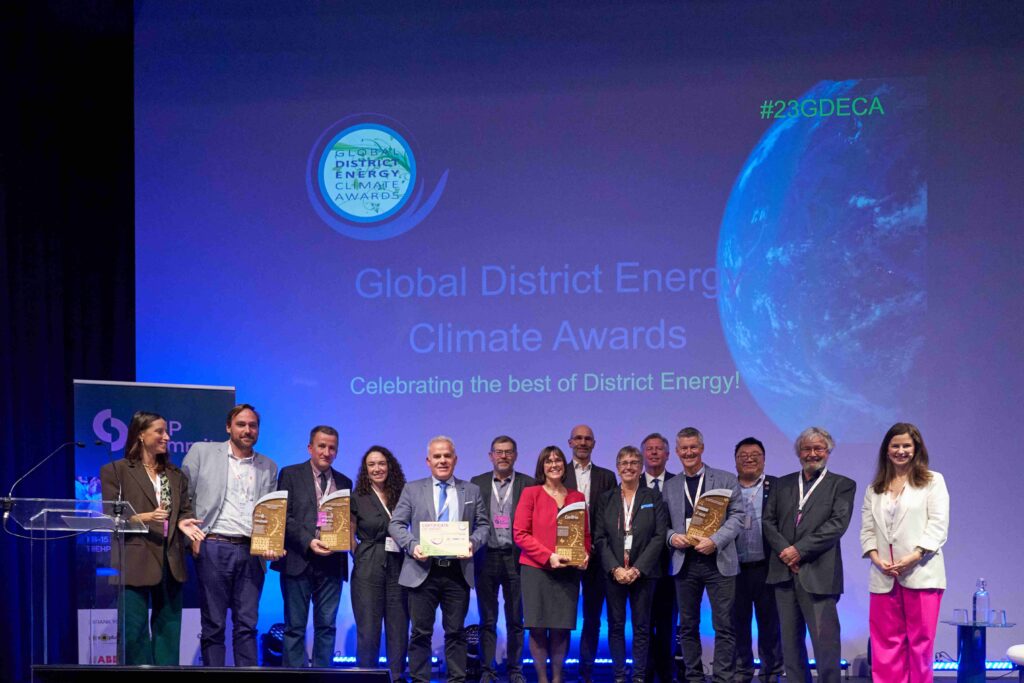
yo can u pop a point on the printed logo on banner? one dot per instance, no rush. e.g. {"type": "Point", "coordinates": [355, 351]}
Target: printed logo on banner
{"type": "Point", "coordinates": [364, 181]}
{"type": "Point", "coordinates": [98, 428]}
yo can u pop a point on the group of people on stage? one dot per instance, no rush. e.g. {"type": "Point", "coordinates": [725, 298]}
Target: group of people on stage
{"type": "Point", "coordinates": [775, 557]}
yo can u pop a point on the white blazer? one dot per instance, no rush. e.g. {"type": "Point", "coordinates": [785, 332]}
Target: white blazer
{"type": "Point", "coordinates": [922, 520]}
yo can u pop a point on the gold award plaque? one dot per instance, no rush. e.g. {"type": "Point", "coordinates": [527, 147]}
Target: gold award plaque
{"type": "Point", "coordinates": [268, 520]}
{"type": "Point", "coordinates": [569, 542]}
{"type": "Point", "coordinates": [336, 518]}
{"type": "Point", "coordinates": [708, 514]}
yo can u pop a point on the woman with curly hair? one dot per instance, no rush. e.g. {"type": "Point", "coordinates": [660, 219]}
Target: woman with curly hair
{"type": "Point", "coordinates": [376, 594]}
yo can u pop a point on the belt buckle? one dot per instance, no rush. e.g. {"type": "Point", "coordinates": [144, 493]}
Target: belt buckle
{"type": "Point", "coordinates": [443, 563]}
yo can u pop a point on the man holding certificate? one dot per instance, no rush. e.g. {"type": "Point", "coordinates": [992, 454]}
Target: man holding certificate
{"type": "Point", "coordinates": [439, 523]}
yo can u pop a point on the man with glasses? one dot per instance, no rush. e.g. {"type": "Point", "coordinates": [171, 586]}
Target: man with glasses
{"type": "Point", "coordinates": [663, 608]}
{"type": "Point", "coordinates": [710, 564]}
{"type": "Point", "coordinates": [497, 566]}
{"type": "Point", "coordinates": [753, 595]}
{"type": "Point", "coordinates": [805, 517]}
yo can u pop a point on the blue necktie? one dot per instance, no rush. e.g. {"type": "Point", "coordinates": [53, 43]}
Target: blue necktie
{"type": "Point", "coordinates": [443, 514]}
{"type": "Point", "coordinates": [657, 485]}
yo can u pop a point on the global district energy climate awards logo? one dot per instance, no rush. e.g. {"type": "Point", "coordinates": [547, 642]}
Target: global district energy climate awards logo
{"type": "Point", "coordinates": [363, 180]}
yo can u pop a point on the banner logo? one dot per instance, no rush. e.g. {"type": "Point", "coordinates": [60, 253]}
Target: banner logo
{"type": "Point", "coordinates": [363, 179]}
{"type": "Point", "coordinates": [98, 428]}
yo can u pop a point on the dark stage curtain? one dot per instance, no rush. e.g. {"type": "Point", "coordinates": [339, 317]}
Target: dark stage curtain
{"type": "Point", "coordinates": [66, 258]}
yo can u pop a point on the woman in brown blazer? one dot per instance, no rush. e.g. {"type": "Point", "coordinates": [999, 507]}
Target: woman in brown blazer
{"type": "Point", "coordinates": [154, 562]}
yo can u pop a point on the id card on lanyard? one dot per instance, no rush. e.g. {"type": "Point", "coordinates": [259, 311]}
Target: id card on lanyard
{"type": "Point", "coordinates": [503, 520]}
{"type": "Point", "coordinates": [802, 501]}
{"type": "Point", "coordinates": [627, 527]}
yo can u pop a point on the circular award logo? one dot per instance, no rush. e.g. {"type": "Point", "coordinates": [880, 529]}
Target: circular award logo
{"type": "Point", "coordinates": [363, 181]}
{"type": "Point", "coordinates": [367, 173]}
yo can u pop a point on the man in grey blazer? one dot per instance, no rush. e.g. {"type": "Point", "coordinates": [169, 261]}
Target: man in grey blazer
{"type": "Point", "coordinates": [497, 567]}
{"type": "Point", "coordinates": [710, 565]}
{"type": "Point", "coordinates": [224, 482]}
{"type": "Point", "coordinates": [805, 517]}
{"type": "Point", "coordinates": [434, 582]}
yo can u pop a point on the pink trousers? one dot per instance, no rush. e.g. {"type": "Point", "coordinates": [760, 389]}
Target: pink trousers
{"type": "Point", "coordinates": [903, 623]}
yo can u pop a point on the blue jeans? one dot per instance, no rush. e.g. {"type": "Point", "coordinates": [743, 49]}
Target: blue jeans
{"type": "Point", "coordinates": [229, 577]}
{"type": "Point", "coordinates": [324, 590]}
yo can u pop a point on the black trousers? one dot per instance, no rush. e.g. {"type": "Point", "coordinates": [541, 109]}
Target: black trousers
{"type": "Point", "coordinates": [500, 570]}
{"type": "Point", "coordinates": [801, 613]}
{"type": "Point", "coordinates": [639, 593]}
{"type": "Point", "coordinates": [700, 573]}
{"type": "Point", "coordinates": [755, 597]}
{"type": "Point", "coordinates": [444, 587]}
{"type": "Point", "coordinates": [376, 597]}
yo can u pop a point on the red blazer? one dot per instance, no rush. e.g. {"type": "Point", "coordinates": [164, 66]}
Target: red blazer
{"type": "Point", "coordinates": [535, 526]}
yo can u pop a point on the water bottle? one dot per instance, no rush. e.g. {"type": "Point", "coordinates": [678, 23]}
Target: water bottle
{"type": "Point", "coordinates": [979, 610]}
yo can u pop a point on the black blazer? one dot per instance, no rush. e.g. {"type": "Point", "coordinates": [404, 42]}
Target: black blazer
{"type": "Point", "coordinates": [650, 523]}
{"type": "Point", "coordinates": [371, 529]}
{"type": "Point", "coordinates": [300, 528]}
{"type": "Point", "coordinates": [825, 519]}
{"type": "Point", "coordinates": [484, 482]}
{"type": "Point", "coordinates": [601, 480]}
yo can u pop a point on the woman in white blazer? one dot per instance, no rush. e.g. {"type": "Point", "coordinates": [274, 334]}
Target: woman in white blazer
{"type": "Point", "coordinates": [904, 521]}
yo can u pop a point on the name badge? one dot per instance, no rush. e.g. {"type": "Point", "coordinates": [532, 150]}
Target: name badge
{"type": "Point", "coordinates": [502, 521]}
{"type": "Point", "coordinates": [628, 544]}
{"type": "Point", "coordinates": [390, 545]}
{"type": "Point", "coordinates": [321, 518]}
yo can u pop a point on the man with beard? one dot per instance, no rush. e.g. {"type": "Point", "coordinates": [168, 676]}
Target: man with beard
{"type": "Point", "coordinates": [805, 517]}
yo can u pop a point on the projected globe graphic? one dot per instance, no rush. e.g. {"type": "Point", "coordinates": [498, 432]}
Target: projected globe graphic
{"type": "Point", "coordinates": [821, 259]}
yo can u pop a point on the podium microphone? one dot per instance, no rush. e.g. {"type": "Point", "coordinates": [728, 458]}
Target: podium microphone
{"type": "Point", "coordinates": [8, 502]}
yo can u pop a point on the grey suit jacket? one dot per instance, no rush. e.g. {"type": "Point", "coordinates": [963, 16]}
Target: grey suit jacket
{"type": "Point", "coordinates": [725, 538]}
{"type": "Point", "coordinates": [825, 519]}
{"type": "Point", "coordinates": [206, 466]}
{"type": "Point", "coordinates": [416, 505]}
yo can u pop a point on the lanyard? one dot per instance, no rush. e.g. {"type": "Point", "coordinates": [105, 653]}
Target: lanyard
{"type": "Point", "coordinates": [508, 492]}
{"type": "Point", "coordinates": [627, 509]}
{"type": "Point", "coordinates": [805, 496]}
{"type": "Point", "coordinates": [700, 487]}
{"type": "Point", "coordinates": [382, 503]}
{"type": "Point", "coordinates": [320, 495]}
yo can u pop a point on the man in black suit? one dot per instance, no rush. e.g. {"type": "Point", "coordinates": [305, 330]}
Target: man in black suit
{"type": "Point", "coordinates": [591, 481]}
{"type": "Point", "coordinates": [753, 594]}
{"type": "Point", "coordinates": [497, 566]}
{"type": "Point", "coordinates": [806, 516]}
{"type": "Point", "coordinates": [309, 570]}
{"type": "Point", "coordinates": [663, 608]}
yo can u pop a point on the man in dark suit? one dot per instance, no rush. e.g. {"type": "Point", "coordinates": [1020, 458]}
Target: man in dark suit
{"type": "Point", "coordinates": [498, 565]}
{"type": "Point", "coordinates": [806, 515]}
{"type": "Point", "coordinates": [309, 570]}
{"type": "Point", "coordinates": [663, 608]}
{"type": "Point", "coordinates": [438, 581]}
{"type": "Point", "coordinates": [591, 481]}
{"type": "Point", "coordinates": [753, 594]}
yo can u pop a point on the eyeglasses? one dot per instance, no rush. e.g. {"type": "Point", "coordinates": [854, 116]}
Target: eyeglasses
{"type": "Point", "coordinates": [554, 461]}
{"type": "Point", "coordinates": [503, 451]}
{"type": "Point", "coordinates": [629, 463]}
{"type": "Point", "coordinates": [749, 456]}
{"type": "Point", "coordinates": [817, 450]}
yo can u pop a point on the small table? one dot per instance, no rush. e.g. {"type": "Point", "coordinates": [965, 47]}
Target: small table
{"type": "Point", "coordinates": [970, 649]}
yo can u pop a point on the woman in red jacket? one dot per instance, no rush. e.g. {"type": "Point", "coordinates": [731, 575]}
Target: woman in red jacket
{"type": "Point", "coordinates": [550, 586]}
